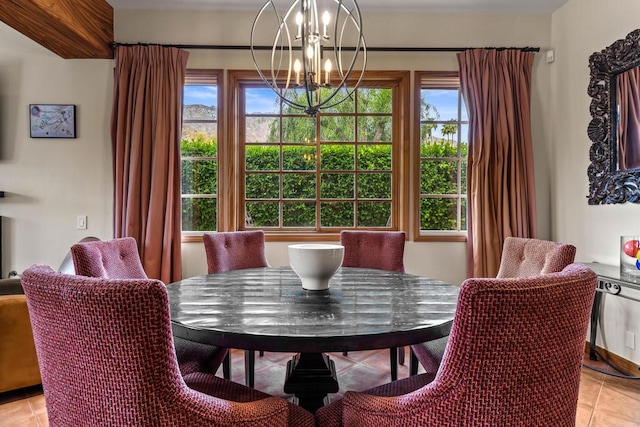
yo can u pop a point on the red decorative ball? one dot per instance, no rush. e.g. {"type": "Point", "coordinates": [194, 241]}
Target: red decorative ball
{"type": "Point", "coordinates": [632, 247]}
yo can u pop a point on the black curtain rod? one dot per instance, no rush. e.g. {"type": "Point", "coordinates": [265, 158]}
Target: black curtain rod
{"type": "Point", "coordinates": [369, 49]}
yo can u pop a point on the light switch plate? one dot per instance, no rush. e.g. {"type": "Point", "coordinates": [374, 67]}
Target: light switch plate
{"type": "Point", "coordinates": [630, 340]}
{"type": "Point", "coordinates": [81, 222]}
{"type": "Point", "coordinates": [551, 56]}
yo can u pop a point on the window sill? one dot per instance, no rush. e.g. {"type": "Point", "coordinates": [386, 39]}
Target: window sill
{"type": "Point", "coordinates": [442, 236]}
{"type": "Point", "coordinates": [194, 237]}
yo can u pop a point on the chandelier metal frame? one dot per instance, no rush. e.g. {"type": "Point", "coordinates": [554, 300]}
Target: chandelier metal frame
{"type": "Point", "coordinates": [313, 40]}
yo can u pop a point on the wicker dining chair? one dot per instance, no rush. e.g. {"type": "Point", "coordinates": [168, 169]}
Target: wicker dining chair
{"type": "Point", "coordinates": [382, 250]}
{"type": "Point", "coordinates": [106, 354]}
{"type": "Point", "coordinates": [236, 250]}
{"type": "Point", "coordinates": [513, 359]}
{"type": "Point", "coordinates": [521, 257]}
{"type": "Point", "coordinates": [119, 259]}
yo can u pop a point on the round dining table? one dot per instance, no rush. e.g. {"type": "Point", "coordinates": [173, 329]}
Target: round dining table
{"type": "Point", "coordinates": [267, 309]}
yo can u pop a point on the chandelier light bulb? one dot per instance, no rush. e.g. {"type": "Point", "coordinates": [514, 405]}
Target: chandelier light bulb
{"type": "Point", "coordinates": [310, 52]}
{"type": "Point", "coordinates": [327, 71]}
{"type": "Point", "coordinates": [296, 68]}
{"type": "Point", "coordinates": [326, 19]}
{"type": "Point", "coordinates": [299, 24]}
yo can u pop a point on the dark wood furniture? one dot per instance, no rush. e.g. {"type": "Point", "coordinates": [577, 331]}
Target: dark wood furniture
{"type": "Point", "coordinates": [267, 309]}
{"type": "Point", "coordinates": [610, 282]}
{"type": "Point", "coordinates": [1, 195]}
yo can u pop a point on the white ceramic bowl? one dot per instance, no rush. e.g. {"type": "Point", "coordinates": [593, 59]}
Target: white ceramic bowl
{"type": "Point", "coordinates": [315, 263]}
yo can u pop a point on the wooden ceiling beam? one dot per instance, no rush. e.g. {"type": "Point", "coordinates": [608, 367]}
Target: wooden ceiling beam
{"type": "Point", "coordinates": [69, 28]}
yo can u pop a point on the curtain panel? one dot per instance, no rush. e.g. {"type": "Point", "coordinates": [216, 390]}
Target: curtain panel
{"type": "Point", "coordinates": [496, 85]}
{"type": "Point", "coordinates": [145, 137]}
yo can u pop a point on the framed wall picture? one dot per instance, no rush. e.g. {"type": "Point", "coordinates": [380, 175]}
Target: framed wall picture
{"type": "Point", "coordinates": [52, 120]}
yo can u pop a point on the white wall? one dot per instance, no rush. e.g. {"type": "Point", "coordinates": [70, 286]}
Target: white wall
{"type": "Point", "coordinates": [580, 28]}
{"type": "Point", "coordinates": [48, 182]}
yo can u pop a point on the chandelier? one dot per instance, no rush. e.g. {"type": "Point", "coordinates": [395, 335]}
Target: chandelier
{"type": "Point", "coordinates": [315, 52]}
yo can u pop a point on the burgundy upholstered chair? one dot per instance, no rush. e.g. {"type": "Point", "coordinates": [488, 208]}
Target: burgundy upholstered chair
{"type": "Point", "coordinates": [513, 359]}
{"type": "Point", "coordinates": [521, 257]}
{"type": "Point", "coordinates": [236, 250]}
{"type": "Point", "coordinates": [107, 358]}
{"type": "Point", "coordinates": [67, 266]}
{"type": "Point", "coordinates": [383, 250]}
{"type": "Point", "coordinates": [119, 259]}
{"type": "Point", "coordinates": [113, 259]}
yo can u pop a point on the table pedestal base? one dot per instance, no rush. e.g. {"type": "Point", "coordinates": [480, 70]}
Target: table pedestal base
{"type": "Point", "coordinates": [310, 376]}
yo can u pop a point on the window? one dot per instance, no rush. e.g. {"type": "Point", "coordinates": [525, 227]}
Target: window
{"type": "Point", "coordinates": [347, 168]}
{"type": "Point", "coordinates": [340, 169]}
{"type": "Point", "coordinates": [199, 151]}
{"type": "Point", "coordinates": [443, 149]}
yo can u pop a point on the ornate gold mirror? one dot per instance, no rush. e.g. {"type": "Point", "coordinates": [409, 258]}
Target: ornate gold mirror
{"type": "Point", "coordinates": [614, 130]}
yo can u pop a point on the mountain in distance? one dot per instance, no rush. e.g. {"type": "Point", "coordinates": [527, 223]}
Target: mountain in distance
{"type": "Point", "coordinates": [199, 112]}
{"type": "Point", "coordinates": [257, 128]}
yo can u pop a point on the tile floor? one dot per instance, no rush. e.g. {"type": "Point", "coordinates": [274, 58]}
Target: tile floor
{"type": "Point", "coordinates": [604, 401]}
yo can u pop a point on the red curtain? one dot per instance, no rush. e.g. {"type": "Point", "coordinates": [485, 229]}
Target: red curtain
{"type": "Point", "coordinates": [145, 137]}
{"type": "Point", "coordinates": [496, 85]}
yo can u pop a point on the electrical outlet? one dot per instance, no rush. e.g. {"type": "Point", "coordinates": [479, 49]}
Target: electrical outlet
{"type": "Point", "coordinates": [81, 222]}
{"type": "Point", "coordinates": [630, 340]}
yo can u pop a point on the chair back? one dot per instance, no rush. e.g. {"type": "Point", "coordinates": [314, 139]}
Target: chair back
{"type": "Point", "coordinates": [513, 358]}
{"type": "Point", "coordinates": [107, 358]}
{"type": "Point", "coordinates": [383, 250]}
{"type": "Point", "coordinates": [234, 250]}
{"type": "Point", "coordinates": [515, 351]}
{"type": "Point", "coordinates": [522, 257]}
{"type": "Point", "coordinates": [104, 347]}
{"type": "Point", "coordinates": [112, 259]}
{"type": "Point", "coordinates": [66, 266]}
{"type": "Point", "coordinates": [119, 259]}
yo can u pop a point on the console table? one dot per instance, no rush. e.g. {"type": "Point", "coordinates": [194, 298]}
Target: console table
{"type": "Point", "coordinates": [610, 282]}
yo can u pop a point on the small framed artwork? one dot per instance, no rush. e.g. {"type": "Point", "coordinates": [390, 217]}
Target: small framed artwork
{"type": "Point", "coordinates": [52, 120]}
